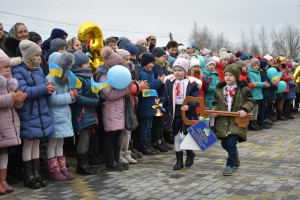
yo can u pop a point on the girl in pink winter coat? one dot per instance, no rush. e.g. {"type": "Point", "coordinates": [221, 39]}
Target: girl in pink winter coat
{"type": "Point", "coordinates": [10, 99]}
{"type": "Point", "coordinates": [113, 110]}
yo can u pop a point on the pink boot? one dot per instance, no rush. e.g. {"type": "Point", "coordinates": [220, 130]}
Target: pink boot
{"type": "Point", "coordinates": [55, 173]}
{"type": "Point", "coordinates": [63, 169]}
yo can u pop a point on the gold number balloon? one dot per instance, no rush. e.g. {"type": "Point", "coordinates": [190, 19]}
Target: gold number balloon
{"type": "Point", "coordinates": [91, 31]}
{"type": "Point", "coordinates": [296, 75]}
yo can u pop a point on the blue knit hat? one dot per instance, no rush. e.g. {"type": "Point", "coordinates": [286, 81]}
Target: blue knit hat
{"type": "Point", "coordinates": [158, 52]}
{"type": "Point", "coordinates": [56, 44]}
{"type": "Point", "coordinates": [244, 56]}
{"type": "Point", "coordinates": [122, 41]}
{"type": "Point", "coordinates": [263, 64]}
{"type": "Point", "coordinates": [131, 49]}
{"type": "Point", "coordinates": [146, 59]}
{"type": "Point", "coordinates": [58, 33]}
{"type": "Point", "coordinates": [80, 58]}
{"type": "Point", "coordinates": [54, 57]}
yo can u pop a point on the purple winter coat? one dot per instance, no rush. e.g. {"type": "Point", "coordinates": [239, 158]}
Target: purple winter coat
{"type": "Point", "coordinates": [113, 109]}
{"type": "Point", "coordinates": [9, 119]}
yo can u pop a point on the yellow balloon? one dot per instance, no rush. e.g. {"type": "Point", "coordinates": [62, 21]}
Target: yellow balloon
{"type": "Point", "coordinates": [296, 75]}
{"type": "Point", "coordinates": [90, 30]}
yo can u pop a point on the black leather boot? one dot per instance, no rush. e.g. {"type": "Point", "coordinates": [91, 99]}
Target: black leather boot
{"type": "Point", "coordinates": [145, 149]}
{"type": "Point", "coordinates": [111, 163]}
{"type": "Point", "coordinates": [29, 179]}
{"type": "Point", "coordinates": [190, 155]}
{"type": "Point", "coordinates": [179, 163]}
{"type": "Point", "coordinates": [280, 116]}
{"type": "Point", "coordinates": [36, 172]}
{"type": "Point", "coordinates": [82, 167]}
{"type": "Point", "coordinates": [256, 125]}
{"type": "Point", "coordinates": [264, 125]}
{"type": "Point", "coordinates": [252, 126]}
{"type": "Point", "coordinates": [159, 146]}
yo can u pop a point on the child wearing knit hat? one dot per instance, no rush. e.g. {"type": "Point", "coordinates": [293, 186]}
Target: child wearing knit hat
{"type": "Point", "coordinates": [254, 76]}
{"type": "Point", "coordinates": [224, 57]}
{"type": "Point", "coordinates": [160, 68]}
{"type": "Point", "coordinates": [210, 72]}
{"type": "Point", "coordinates": [11, 99]}
{"type": "Point", "coordinates": [84, 117]}
{"type": "Point", "coordinates": [225, 128]}
{"type": "Point", "coordinates": [36, 120]}
{"type": "Point", "coordinates": [145, 110]}
{"type": "Point", "coordinates": [178, 87]}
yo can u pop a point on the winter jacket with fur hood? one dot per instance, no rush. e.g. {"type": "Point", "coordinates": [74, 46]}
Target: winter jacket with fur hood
{"type": "Point", "coordinates": [60, 100]}
{"type": "Point", "coordinates": [243, 100]}
{"type": "Point", "coordinates": [9, 120]}
{"type": "Point", "coordinates": [192, 89]}
{"type": "Point", "coordinates": [36, 120]}
{"type": "Point", "coordinates": [113, 109]}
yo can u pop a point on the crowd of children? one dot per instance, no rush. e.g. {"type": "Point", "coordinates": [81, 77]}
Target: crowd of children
{"type": "Point", "coordinates": [35, 106]}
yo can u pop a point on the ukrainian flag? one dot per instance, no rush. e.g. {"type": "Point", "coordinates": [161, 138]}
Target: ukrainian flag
{"type": "Point", "coordinates": [74, 82]}
{"type": "Point", "coordinates": [96, 87]}
{"type": "Point", "coordinates": [55, 70]}
{"type": "Point", "coordinates": [277, 76]}
{"type": "Point", "coordinates": [149, 93]}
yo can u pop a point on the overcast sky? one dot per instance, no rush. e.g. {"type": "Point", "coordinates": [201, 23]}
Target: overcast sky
{"type": "Point", "coordinates": [137, 19]}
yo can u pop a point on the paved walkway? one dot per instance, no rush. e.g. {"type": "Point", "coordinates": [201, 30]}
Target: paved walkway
{"type": "Point", "coordinates": [270, 169]}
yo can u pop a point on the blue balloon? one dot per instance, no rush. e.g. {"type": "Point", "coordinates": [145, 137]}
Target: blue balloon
{"type": "Point", "coordinates": [281, 87]}
{"type": "Point", "coordinates": [271, 72]}
{"type": "Point", "coordinates": [120, 76]}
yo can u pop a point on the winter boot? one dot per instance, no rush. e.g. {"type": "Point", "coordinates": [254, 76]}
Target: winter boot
{"type": "Point", "coordinates": [190, 155]}
{"type": "Point", "coordinates": [29, 179]}
{"type": "Point", "coordinates": [3, 173]}
{"type": "Point", "coordinates": [55, 173]}
{"type": "Point", "coordinates": [63, 169]}
{"type": "Point", "coordinates": [111, 164]}
{"type": "Point", "coordinates": [158, 146]}
{"type": "Point", "coordinates": [167, 145]}
{"type": "Point", "coordinates": [179, 163]}
{"type": "Point", "coordinates": [264, 125]}
{"type": "Point", "coordinates": [36, 172]}
{"type": "Point", "coordinates": [122, 159]}
{"type": "Point", "coordinates": [150, 145]}
{"type": "Point", "coordinates": [280, 116]}
{"type": "Point", "coordinates": [255, 124]}
{"type": "Point", "coordinates": [127, 156]}
{"type": "Point", "coordinates": [82, 167]}
{"type": "Point", "coordinates": [252, 126]}
{"type": "Point", "coordinates": [146, 149]}
{"type": "Point", "coordinates": [138, 154]}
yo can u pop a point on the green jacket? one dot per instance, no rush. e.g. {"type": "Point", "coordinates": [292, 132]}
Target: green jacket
{"type": "Point", "coordinates": [243, 100]}
{"type": "Point", "coordinates": [210, 92]}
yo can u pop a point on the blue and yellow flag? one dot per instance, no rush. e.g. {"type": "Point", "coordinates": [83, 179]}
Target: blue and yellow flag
{"type": "Point", "coordinates": [277, 76]}
{"type": "Point", "coordinates": [74, 82]}
{"type": "Point", "coordinates": [96, 87]}
{"type": "Point", "coordinates": [149, 93]}
{"type": "Point", "coordinates": [55, 70]}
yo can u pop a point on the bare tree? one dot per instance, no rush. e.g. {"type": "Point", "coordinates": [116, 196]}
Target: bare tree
{"type": "Point", "coordinates": [244, 42]}
{"type": "Point", "coordinates": [220, 41]}
{"type": "Point", "coordinates": [201, 37]}
{"type": "Point", "coordinates": [263, 40]}
{"type": "Point", "coordinates": [286, 41]}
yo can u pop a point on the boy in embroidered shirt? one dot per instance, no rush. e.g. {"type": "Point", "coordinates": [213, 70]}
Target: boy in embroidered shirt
{"type": "Point", "coordinates": [232, 96]}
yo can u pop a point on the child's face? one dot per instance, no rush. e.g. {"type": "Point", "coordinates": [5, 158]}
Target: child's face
{"type": "Point", "coordinates": [189, 52]}
{"type": "Point", "coordinates": [163, 58]}
{"type": "Point", "coordinates": [62, 49]}
{"type": "Point", "coordinates": [288, 69]}
{"type": "Point", "coordinates": [229, 78]}
{"type": "Point", "coordinates": [225, 62]}
{"type": "Point", "coordinates": [77, 45]}
{"type": "Point", "coordinates": [179, 73]}
{"type": "Point", "coordinates": [112, 45]}
{"type": "Point", "coordinates": [5, 69]}
{"type": "Point", "coordinates": [126, 60]}
{"type": "Point", "coordinates": [149, 66]}
{"type": "Point", "coordinates": [173, 50]}
{"type": "Point", "coordinates": [183, 51]}
{"type": "Point", "coordinates": [255, 67]}
{"type": "Point", "coordinates": [85, 65]}
{"type": "Point", "coordinates": [211, 66]}
{"type": "Point", "coordinates": [247, 61]}
{"type": "Point", "coordinates": [36, 57]}
{"type": "Point", "coordinates": [244, 68]}
{"type": "Point", "coordinates": [195, 68]}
